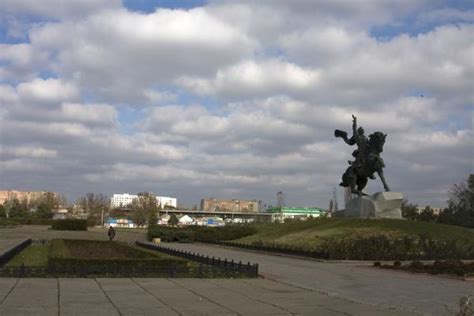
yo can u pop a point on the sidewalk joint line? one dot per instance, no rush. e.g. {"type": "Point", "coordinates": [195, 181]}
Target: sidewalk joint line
{"type": "Point", "coordinates": [204, 297]}
{"type": "Point", "coordinates": [249, 297]}
{"type": "Point", "coordinates": [108, 298]}
{"type": "Point", "coordinates": [156, 297]}
{"type": "Point", "coordinates": [11, 290]}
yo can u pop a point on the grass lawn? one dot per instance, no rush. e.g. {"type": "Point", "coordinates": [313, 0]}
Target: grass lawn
{"type": "Point", "coordinates": [33, 255]}
{"type": "Point", "coordinates": [309, 234]}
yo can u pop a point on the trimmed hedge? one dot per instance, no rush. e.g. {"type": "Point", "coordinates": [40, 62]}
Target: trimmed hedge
{"type": "Point", "coordinates": [200, 233]}
{"type": "Point", "coordinates": [34, 221]}
{"type": "Point", "coordinates": [69, 224]}
{"type": "Point", "coordinates": [451, 267]}
{"type": "Point", "coordinates": [94, 253]}
{"type": "Point", "coordinates": [377, 247]}
{"type": "Point", "coordinates": [8, 222]}
{"type": "Point", "coordinates": [381, 247]}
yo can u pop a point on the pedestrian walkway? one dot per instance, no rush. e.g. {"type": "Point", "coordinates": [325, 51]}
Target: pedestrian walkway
{"type": "Point", "coordinates": [7, 244]}
{"type": "Point", "coordinates": [170, 297]}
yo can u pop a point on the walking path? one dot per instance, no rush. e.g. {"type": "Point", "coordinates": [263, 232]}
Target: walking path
{"type": "Point", "coordinates": [424, 294]}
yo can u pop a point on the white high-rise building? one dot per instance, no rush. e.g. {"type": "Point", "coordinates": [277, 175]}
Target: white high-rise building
{"type": "Point", "coordinates": [121, 200]}
{"type": "Point", "coordinates": [125, 199]}
{"type": "Point", "coordinates": [166, 201]}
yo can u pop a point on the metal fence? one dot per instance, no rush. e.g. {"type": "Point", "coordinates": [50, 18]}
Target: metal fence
{"type": "Point", "coordinates": [199, 271]}
{"type": "Point", "coordinates": [248, 269]}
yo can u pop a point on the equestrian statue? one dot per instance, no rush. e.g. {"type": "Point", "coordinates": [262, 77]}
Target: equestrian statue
{"type": "Point", "coordinates": [367, 158]}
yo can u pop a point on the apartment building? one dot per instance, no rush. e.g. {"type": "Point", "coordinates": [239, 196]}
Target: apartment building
{"type": "Point", "coordinates": [30, 196]}
{"type": "Point", "coordinates": [234, 205]}
{"type": "Point", "coordinates": [126, 199]}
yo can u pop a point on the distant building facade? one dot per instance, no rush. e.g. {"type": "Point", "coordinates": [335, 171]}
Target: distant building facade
{"type": "Point", "coordinates": [240, 206]}
{"type": "Point", "coordinates": [29, 196]}
{"type": "Point", "coordinates": [126, 199]}
{"type": "Point", "coordinates": [167, 201]}
{"type": "Point", "coordinates": [436, 210]}
{"type": "Point", "coordinates": [122, 200]}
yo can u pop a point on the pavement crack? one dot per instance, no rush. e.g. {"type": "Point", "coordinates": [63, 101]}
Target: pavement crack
{"type": "Point", "coordinates": [11, 290]}
{"type": "Point", "coordinates": [156, 297]}
{"type": "Point", "coordinates": [253, 298]}
{"type": "Point", "coordinates": [59, 297]}
{"type": "Point", "coordinates": [204, 297]}
{"type": "Point", "coordinates": [108, 298]}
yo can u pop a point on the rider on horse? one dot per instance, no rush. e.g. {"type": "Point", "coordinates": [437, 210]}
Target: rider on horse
{"type": "Point", "coordinates": [367, 158]}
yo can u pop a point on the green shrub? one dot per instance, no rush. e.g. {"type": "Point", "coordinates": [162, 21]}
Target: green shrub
{"type": "Point", "coordinates": [34, 221]}
{"type": "Point", "coordinates": [382, 247]}
{"type": "Point", "coordinates": [229, 232]}
{"type": "Point", "coordinates": [200, 233]}
{"type": "Point", "coordinates": [69, 224]}
{"type": "Point", "coordinates": [417, 265]}
{"type": "Point", "coordinates": [8, 222]}
{"type": "Point", "coordinates": [165, 233]}
{"type": "Point", "coordinates": [377, 264]}
{"type": "Point", "coordinates": [184, 236]}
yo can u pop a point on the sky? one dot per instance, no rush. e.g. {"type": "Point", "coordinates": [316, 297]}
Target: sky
{"type": "Point", "coordinates": [234, 99]}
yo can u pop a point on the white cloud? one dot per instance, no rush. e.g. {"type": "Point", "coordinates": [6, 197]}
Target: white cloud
{"type": "Point", "coordinates": [93, 113]}
{"type": "Point", "coordinates": [28, 151]}
{"type": "Point", "coordinates": [251, 78]}
{"type": "Point", "coordinates": [47, 91]}
{"type": "Point", "coordinates": [118, 53]}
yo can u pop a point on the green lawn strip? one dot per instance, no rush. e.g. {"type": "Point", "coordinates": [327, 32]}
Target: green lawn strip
{"type": "Point", "coordinates": [33, 255]}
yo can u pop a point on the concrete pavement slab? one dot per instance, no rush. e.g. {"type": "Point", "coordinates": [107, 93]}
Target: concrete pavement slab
{"type": "Point", "coordinates": [7, 244]}
{"type": "Point", "coordinates": [6, 285]}
{"type": "Point", "coordinates": [230, 299]}
{"type": "Point", "coordinates": [32, 297]}
{"type": "Point", "coordinates": [181, 299]}
{"type": "Point", "coordinates": [132, 299]}
{"type": "Point", "coordinates": [83, 296]}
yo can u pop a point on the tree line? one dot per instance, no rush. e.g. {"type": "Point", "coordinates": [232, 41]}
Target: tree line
{"type": "Point", "coordinates": [41, 207]}
{"type": "Point", "coordinates": [459, 212]}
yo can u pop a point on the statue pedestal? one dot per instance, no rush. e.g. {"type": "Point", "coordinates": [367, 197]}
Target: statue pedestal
{"type": "Point", "coordinates": [379, 205]}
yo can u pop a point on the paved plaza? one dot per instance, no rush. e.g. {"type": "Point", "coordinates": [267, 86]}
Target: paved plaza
{"type": "Point", "coordinates": [170, 297]}
{"type": "Point", "coordinates": [290, 286]}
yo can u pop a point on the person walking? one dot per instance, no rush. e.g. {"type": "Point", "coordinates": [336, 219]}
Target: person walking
{"type": "Point", "coordinates": [111, 233]}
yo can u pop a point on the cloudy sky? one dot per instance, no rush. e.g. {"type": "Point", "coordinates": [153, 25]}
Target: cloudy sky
{"type": "Point", "coordinates": [233, 99]}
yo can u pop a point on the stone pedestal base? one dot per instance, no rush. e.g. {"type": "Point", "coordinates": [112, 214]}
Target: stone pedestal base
{"type": "Point", "coordinates": [379, 205]}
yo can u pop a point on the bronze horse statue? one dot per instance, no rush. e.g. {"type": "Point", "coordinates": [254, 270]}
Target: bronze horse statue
{"type": "Point", "coordinates": [367, 162]}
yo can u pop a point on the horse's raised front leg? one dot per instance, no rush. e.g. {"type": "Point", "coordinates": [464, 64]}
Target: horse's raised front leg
{"type": "Point", "coordinates": [385, 186]}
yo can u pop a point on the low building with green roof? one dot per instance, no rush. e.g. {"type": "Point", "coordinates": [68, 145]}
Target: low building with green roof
{"type": "Point", "coordinates": [303, 213]}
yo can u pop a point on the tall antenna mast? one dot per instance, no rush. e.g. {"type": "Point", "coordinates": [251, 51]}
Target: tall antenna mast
{"type": "Point", "coordinates": [347, 195]}
{"type": "Point", "coordinates": [280, 200]}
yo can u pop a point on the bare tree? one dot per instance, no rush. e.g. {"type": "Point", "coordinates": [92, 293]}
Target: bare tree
{"type": "Point", "coordinates": [95, 205]}
{"type": "Point", "coordinates": [145, 208]}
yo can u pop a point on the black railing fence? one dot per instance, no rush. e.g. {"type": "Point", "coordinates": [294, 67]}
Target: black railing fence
{"type": "Point", "coordinates": [53, 271]}
{"type": "Point", "coordinates": [228, 266]}
{"type": "Point", "coordinates": [9, 254]}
